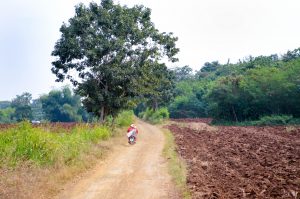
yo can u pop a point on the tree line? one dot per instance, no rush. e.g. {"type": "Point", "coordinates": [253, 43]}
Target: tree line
{"type": "Point", "coordinates": [115, 58]}
{"type": "Point", "coordinates": [246, 90]}
{"type": "Point", "coordinates": [60, 105]}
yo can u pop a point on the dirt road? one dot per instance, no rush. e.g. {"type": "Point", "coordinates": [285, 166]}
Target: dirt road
{"type": "Point", "coordinates": [137, 171]}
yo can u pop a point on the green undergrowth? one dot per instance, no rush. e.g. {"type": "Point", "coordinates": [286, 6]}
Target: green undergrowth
{"type": "Point", "coordinates": [125, 118]}
{"type": "Point", "coordinates": [272, 120]}
{"type": "Point", "coordinates": [45, 146]}
{"type": "Point", "coordinates": [155, 117]}
{"type": "Point", "coordinates": [176, 166]}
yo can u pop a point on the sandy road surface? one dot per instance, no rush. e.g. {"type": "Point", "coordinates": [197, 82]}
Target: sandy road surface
{"type": "Point", "coordinates": [137, 171]}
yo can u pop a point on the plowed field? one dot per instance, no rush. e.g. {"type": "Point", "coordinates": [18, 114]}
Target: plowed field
{"type": "Point", "coordinates": [240, 162]}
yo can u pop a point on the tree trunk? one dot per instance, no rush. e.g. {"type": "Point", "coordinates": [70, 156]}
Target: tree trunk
{"type": "Point", "coordinates": [233, 110]}
{"type": "Point", "coordinates": [102, 114]}
{"type": "Point", "coordinates": [155, 105]}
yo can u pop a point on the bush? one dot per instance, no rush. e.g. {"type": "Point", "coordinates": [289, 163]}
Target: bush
{"type": "Point", "coordinates": [263, 121]}
{"type": "Point", "coordinates": [155, 116]}
{"type": "Point", "coordinates": [41, 147]}
{"type": "Point", "coordinates": [274, 120]}
{"type": "Point", "coordinates": [124, 118]}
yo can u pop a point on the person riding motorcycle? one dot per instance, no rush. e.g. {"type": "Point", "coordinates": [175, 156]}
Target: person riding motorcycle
{"type": "Point", "coordinates": [133, 129]}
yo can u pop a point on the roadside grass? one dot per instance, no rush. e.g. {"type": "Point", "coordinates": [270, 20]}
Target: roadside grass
{"type": "Point", "coordinates": [43, 148]}
{"type": "Point", "coordinates": [36, 162]}
{"type": "Point", "coordinates": [176, 166]}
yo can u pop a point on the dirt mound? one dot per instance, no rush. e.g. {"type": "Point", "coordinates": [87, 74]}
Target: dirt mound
{"type": "Point", "coordinates": [241, 162]}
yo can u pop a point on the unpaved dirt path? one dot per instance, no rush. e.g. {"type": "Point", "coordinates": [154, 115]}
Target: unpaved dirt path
{"type": "Point", "coordinates": [137, 171]}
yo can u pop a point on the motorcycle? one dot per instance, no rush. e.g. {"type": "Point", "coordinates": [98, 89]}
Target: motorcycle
{"type": "Point", "coordinates": [131, 137]}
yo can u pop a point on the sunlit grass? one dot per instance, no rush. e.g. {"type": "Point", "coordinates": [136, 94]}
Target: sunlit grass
{"type": "Point", "coordinates": [42, 147]}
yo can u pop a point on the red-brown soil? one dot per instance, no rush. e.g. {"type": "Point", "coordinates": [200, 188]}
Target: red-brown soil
{"type": "Point", "coordinates": [187, 120]}
{"type": "Point", "coordinates": [241, 162]}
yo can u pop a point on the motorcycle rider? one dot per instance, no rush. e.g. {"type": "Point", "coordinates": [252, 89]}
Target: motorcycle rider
{"type": "Point", "coordinates": [132, 127]}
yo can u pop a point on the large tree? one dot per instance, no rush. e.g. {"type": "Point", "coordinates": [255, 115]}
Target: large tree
{"type": "Point", "coordinates": [109, 46]}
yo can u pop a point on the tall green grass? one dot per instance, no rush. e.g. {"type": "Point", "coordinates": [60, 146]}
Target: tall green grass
{"type": "Point", "coordinates": [37, 145]}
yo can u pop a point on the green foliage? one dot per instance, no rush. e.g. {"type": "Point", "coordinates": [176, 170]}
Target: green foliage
{"type": "Point", "coordinates": [155, 116]}
{"type": "Point", "coordinates": [124, 118]}
{"type": "Point", "coordinates": [41, 147]}
{"type": "Point", "coordinates": [189, 100]}
{"type": "Point", "coordinates": [6, 115]}
{"type": "Point", "coordinates": [244, 91]}
{"type": "Point", "coordinates": [37, 110]}
{"type": "Point", "coordinates": [62, 106]}
{"type": "Point", "coordinates": [4, 104]}
{"type": "Point", "coordinates": [112, 48]}
{"type": "Point", "coordinates": [22, 107]}
{"type": "Point", "coordinates": [274, 120]}
{"type": "Point", "coordinates": [270, 120]}
{"type": "Point", "coordinates": [183, 73]}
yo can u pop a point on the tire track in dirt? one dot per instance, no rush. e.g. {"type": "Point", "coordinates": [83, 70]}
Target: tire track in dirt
{"type": "Point", "coordinates": [137, 171]}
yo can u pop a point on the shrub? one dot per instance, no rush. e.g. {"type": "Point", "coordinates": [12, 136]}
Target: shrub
{"type": "Point", "coordinates": [124, 118]}
{"type": "Point", "coordinates": [155, 116]}
{"type": "Point", "coordinates": [274, 120]}
{"type": "Point", "coordinates": [263, 121]}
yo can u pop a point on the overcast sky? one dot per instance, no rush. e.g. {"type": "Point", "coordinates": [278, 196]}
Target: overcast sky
{"type": "Point", "coordinates": [208, 30]}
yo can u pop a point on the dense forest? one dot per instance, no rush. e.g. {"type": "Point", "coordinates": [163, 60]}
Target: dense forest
{"type": "Point", "coordinates": [247, 90]}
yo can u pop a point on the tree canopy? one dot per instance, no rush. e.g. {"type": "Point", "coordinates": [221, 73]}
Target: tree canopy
{"type": "Point", "coordinates": [247, 90]}
{"type": "Point", "coordinates": [62, 106]}
{"type": "Point", "coordinates": [111, 48]}
{"type": "Point", "coordinates": [22, 107]}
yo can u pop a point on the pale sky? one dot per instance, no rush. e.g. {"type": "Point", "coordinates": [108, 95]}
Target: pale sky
{"type": "Point", "coordinates": [208, 30]}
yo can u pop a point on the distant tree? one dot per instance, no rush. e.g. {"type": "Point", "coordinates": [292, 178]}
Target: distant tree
{"type": "Point", "coordinates": [210, 66]}
{"type": "Point", "coordinates": [188, 102]}
{"type": "Point", "coordinates": [290, 55]}
{"type": "Point", "coordinates": [183, 73]}
{"type": "Point", "coordinates": [37, 110]}
{"type": "Point", "coordinates": [61, 106]}
{"type": "Point", "coordinates": [22, 107]}
{"type": "Point", "coordinates": [109, 45]}
{"type": "Point", "coordinates": [4, 104]}
{"type": "Point", "coordinates": [6, 115]}
{"type": "Point", "coordinates": [224, 97]}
